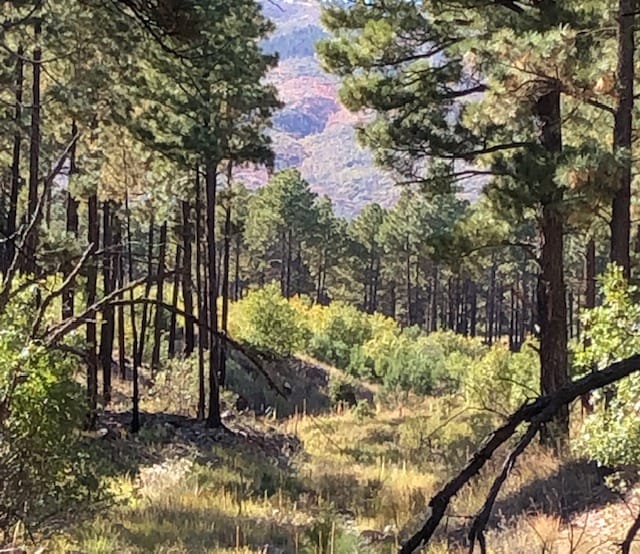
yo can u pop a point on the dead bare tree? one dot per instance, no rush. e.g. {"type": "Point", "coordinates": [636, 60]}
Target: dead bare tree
{"type": "Point", "coordinates": [536, 413]}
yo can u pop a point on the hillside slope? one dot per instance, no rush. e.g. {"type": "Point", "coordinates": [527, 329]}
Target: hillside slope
{"type": "Point", "coordinates": [313, 131]}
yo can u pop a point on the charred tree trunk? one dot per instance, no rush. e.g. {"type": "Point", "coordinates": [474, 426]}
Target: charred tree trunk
{"type": "Point", "coordinates": [434, 299]}
{"type": "Point", "coordinates": [93, 226]}
{"type": "Point", "coordinates": [31, 244]}
{"type": "Point", "coordinates": [499, 311]}
{"type": "Point", "coordinates": [226, 253]}
{"type": "Point", "coordinates": [202, 303]}
{"type": "Point", "coordinates": [135, 365]}
{"type": "Point", "coordinates": [287, 288]}
{"type": "Point", "coordinates": [119, 258]}
{"type": "Point", "coordinates": [491, 306]}
{"type": "Point", "coordinates": [236, 279]}
{"type": "Point", "coordinates": [157, 324]}
{"type": "Point", "coordinates": [68, 296]}
{"type": "Point", "coordinates": [622, 136]}
{"type": "Point", "coordinates": [107, 331]}
{"type": "Point", "coordinates": [174, 303]}
{"type": "Point", "coordinates": [213, 415]}
{"type": "Point", "coordinates": [12, 215]}
{"type": "Point", "coordinates": [473, 310]}
{"type": "Point", "coordinates": [147, 292]}
{"type": "Point", "coordinates": [187, 288]}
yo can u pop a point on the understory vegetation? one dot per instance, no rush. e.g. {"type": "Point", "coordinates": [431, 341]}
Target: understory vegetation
{"type": "Point", "coordinates": [353, 457]}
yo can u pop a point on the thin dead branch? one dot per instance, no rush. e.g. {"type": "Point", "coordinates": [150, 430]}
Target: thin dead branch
{"type": "Point", "coordinates": [59, 291]}
{"type": "Point", "coordinates": [625, 547]}
{"type": "Point", "coordinates": [476, 534]}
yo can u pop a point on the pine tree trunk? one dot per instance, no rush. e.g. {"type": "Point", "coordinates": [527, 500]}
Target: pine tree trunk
{"type": "Point", "coordinates": [12, 215]}
{"type": "Point", "coordinates": [236, 279]}
{"type": "Point", "coordinates": [147, 293]}
{"type": "Point", "coordinates": [93, 227]}
{"type": "Point", "coordinates": [202, 311]}
{"type": "Point", "coordinates": [107, 329]}
{"type": "Point", "coordinates": [122, 345]}
{"type": "Point", "coordinates": [171, 352]}
{"type": "Point", "coordinates": [187, 288]}
{"type": "Point", "coordinates": [225, 279]}
{"type": "Point", "coordinates": [376, 281]}
{"type": "Point", "coordinates": [135, 365]}
{"type": "Point", "coordinates": [473, 316]}
{"type": "Point", "coordinates": [513, 339]}
{"type": "Point", "coordinates": [622, 139]}
{"type": "Point", "coordinates": [524, 295]}
{"type": "Point", "coordinates": [552, 309]}
{"type": "Point", "coordinates": [434, 299]}
{"type": "Point", "coordinates": [491, 298]}
{"type": "Point", "coordinates": [283, 264]}
{"type": "Point", "coordinates": [68, 297]}
{"type": "Point", "coordinates": [157, 324]}
{"type": "Point", "coordinates": [499, 311]}
{"type": "Point", "coordinates": [213, 416]}
{"type": "Point", "coordinates": [31, 244]}
{"type": "Point", "coordinates": [289, 261]}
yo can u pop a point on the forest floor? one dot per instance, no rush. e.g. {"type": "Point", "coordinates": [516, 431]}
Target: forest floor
{"type": "Point", "coordinates": [326, 481]}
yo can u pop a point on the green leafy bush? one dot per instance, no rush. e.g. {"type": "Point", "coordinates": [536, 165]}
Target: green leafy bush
{"type": "Point", "coordinates": [269, 322]}
{"type": "Point", "coordinates": [337, 333]}
{"type": "Point", "coordinates": [502, 380]}
{"type": "Point", "coordinates": [43, 467]}
{"type": "Point", "coordinates": [611, 436]}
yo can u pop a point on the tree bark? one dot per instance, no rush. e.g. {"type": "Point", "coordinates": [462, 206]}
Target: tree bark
{"type": "Point", "coordinates": [203, 318]}
{"type": "Point", "coordinates": [147, 291]}
{"type": "Point", "coordinates": [473, 309]}
{"type": "Point", "coordinates": [171, 352]}
{"type": "Point", "coordinates": [236, 279]}
{"type": "Point", "coordinates": [122, 346]}
{"type": "Point", "coordinates": [157, 324]}
{"type": "Point", "coordinates": [135, 365]}
{"type": "Point", "coordinates": [107, 330]}
{"type": "Point", "coordinates": [31, 244]}
{"type": "Point", "coordinates": [622, 140]}
{"type": "Point", "coordinates": [491, 299]}
{"type": "Point", "coordinates": [187, 288]}
{"type": "Point", "coordinates": [68, 297]}
{"type": "Point", "coordinates": [12, 215]}
{"type": "Point", "coordinates": [213, 415]}
{"type": "Point", "coordinates": [434, 299]}
{"type": "Point", "coordinates": [552, 308]}
{"type": "Point", "coordinates": [93, 228]}
{"type": "Point", "coordinates": [225, 278]}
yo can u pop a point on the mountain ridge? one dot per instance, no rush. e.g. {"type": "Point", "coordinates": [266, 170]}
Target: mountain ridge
{"type": "Point", "coordinates": [314, 131]}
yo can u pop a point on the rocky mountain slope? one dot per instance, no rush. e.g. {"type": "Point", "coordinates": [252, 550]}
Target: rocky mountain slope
{"type": "Point", "coordinates": [313, 131]}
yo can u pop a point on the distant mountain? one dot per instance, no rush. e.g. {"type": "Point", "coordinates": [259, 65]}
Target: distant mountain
{"type": "Point", "coordinates": [314, 132]}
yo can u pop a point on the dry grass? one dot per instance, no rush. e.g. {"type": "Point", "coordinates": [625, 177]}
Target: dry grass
{"type": "Point", "coordinates": [354, 473]}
